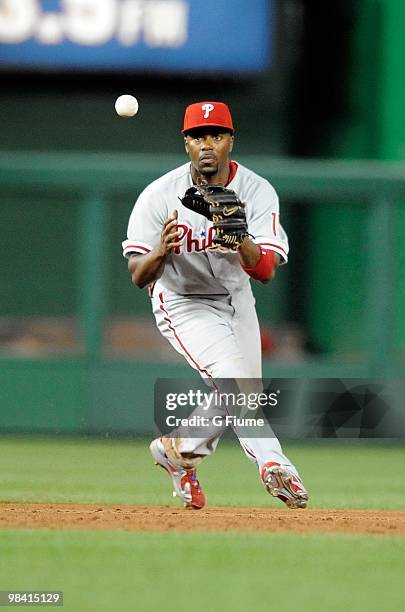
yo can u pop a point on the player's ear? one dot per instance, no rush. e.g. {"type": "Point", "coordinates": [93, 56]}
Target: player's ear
{"type": "Point", "coordinates": [185, 144]}
{"type": "Point", "coordinates": [231, 141]}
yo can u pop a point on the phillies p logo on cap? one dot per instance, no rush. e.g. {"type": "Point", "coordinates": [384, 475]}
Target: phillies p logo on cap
{"type": "Point", "coordinates": [200, 114]}
{"type": "Point", "coordinates": [207, 108]}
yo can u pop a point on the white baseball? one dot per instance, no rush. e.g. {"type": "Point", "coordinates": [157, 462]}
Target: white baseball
{"type": "Point", "coordinates": [126, 106]}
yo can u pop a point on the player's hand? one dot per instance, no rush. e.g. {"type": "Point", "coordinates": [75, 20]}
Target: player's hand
{"type": "Point", "coordinates": [170, 235]}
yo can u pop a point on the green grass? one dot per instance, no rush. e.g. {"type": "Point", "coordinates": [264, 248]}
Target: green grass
{"type": "Point", "coordinates": [338, 474]}
{"type": "Point", "coordinates": [118, 572]}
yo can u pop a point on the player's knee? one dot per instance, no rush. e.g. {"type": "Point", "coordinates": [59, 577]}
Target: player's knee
{"type": "Point", "coordinates": [232, 368]}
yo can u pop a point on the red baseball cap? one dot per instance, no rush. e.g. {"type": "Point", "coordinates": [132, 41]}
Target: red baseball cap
{"type": "Point", "coordinates": [200, 114]}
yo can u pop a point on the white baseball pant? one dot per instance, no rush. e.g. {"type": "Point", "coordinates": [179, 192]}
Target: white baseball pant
{"type": "Point", "coordinates": [219, 336]}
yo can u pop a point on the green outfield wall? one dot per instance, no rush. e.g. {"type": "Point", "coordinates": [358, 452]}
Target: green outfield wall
{"type": "Point", "coordinates": [70, 210]}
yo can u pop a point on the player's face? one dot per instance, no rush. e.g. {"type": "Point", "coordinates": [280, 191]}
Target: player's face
{"type": "Point", "coordinates": [209, 149]}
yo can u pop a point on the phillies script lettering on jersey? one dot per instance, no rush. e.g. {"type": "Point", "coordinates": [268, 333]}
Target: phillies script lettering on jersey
{"type": "Point", "coordinates": [198, 266]}
{"type": "Point", "coordinates": [195, 242]}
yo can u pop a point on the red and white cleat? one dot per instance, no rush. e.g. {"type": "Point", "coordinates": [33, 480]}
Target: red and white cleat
{"type": "Point", "coordinates": [284, 484]}
{"type": "Point", "coordinates": [185, 483]}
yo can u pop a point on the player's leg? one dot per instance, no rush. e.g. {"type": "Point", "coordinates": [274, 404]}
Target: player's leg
{"type": "Point", "coordinates": [264, 446]}
{"type": "Point", "coordinates": [215, 347]}
{"type": "Point", "coordinates": [277, 472]}
{"type": "Point", "coordinates": [211, 335]}
{"type": "Point", "coordinates": [182, 470]}
{"type": "Point", "coordinates": [221, 340]}
{"type": "Point", "coordinates": [201, 332]}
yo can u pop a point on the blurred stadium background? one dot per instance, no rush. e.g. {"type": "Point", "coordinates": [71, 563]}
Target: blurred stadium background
{"type": "Point", "coordinates": [317, 91]}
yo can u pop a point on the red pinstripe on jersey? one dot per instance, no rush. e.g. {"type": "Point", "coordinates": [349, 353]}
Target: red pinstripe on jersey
{"type": "Point", "coordinates": [247, 450]}
{"type": "Point", "coordinates": [272, 245]}
{"type": "Point", "coordinates": [135, 247]}
{"type": "Point", "coordinates": [172, 329]}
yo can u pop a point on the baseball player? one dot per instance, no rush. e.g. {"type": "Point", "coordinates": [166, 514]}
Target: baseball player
{"type": "Point", "coordinates": [196, 237]}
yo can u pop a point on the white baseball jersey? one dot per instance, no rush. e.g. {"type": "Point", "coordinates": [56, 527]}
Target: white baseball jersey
{"type": "Point", "coordinates": [198, 267]}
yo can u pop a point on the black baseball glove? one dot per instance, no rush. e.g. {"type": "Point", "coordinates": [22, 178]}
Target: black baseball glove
{"type": "Point", "coordinates": [223, 207]}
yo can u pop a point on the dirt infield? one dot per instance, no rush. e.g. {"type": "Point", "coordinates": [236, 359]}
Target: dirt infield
{"type": "Point", "coordinates": [165, 518]}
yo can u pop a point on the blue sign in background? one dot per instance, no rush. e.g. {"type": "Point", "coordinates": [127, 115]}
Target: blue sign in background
{"type": "Point", "coordinates": [204, 36]}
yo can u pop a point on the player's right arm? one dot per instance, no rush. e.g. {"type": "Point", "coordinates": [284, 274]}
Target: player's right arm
{"type": "Point", "coordinates": [145, 269]}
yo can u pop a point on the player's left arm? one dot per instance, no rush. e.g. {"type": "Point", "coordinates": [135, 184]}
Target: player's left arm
{"type": "Point", "coordinates": [258, 263]}
{"type": "Point", "coordinates": [267, 246]}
